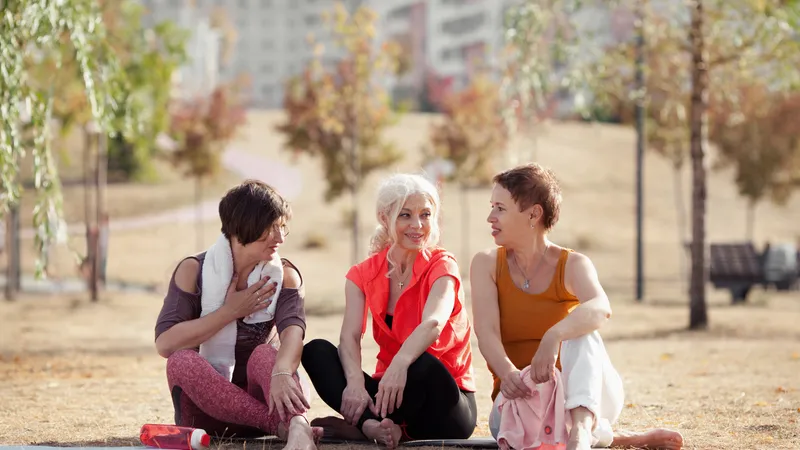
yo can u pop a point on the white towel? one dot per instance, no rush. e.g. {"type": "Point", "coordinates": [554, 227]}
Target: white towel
{"type": "Point", "coordinates": [219, 349]}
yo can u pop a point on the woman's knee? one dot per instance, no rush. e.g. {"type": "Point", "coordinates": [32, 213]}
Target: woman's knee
{"type": "Point", "coordinates": [316, 349]}
{"type": "Point", "coordinates": [263, 356]}
{"type": "Point", "coordinates": [181, 362]}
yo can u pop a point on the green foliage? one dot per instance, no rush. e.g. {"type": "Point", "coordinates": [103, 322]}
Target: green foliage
{"type": "Point", "coordinates": [740, 52]}
{"type": "Point", "coordinates": [471, 133]}
{"type": "Point", "coordinates": [545, 55]}
{"type": "Point", "coordinates": [148, 58]}
{"type": "Point", "coordinates": [32, 32]}
{"type": "Point", "coordinates": [339, 114]}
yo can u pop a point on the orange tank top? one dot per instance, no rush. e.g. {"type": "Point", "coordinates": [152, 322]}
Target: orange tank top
{"type": "Point", "coordinates": [524, 317]}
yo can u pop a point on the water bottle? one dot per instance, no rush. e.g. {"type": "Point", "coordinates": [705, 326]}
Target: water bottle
{"type": "Point", "coordinates": [174, 437]}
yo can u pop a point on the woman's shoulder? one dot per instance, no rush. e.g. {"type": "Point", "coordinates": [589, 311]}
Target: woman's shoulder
{"type": "Point", "coordinates": [292, 278]}
{"type": "Point", "coordinates": [372, 263]}
{"type": "Point", "coordinates": [485, 260]}
{"type": "Point", "coordinates": [187, 273]}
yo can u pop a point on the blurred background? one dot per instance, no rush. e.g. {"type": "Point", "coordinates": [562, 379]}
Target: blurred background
{"type": "Point", "coordinates": [672, 126]}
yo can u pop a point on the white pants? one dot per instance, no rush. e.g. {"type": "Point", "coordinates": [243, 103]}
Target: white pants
{"type": "Point", "coordinates": [590, 381]}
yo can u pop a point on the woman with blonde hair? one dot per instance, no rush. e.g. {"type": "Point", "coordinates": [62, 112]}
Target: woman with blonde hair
{"type": "Point", "coordinates": [423, 385]}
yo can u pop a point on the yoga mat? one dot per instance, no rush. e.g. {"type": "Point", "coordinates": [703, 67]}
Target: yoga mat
{"type": "Point", "coordinates": [46, 447]}
{"type": "Point", "coordinates": [476, 442]}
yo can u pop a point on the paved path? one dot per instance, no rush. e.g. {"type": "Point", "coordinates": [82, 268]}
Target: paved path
{"type": "Point", "coordinates": [286, 179]}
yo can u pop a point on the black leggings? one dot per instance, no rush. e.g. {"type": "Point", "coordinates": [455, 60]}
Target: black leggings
{"type": "Point", "coordinates": [433, 406]}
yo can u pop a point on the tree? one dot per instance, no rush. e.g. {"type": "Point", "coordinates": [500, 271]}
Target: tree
{"type": "Point", "coordinates": [690, 64]}
{"type": "Point", "coordinates": [31, 32]}
{"type": "Point", "coordinates": [759, 139]}
{"type": "Point", "coordinates": [202, 128]}
{"type": "Point", "coordinates": [148, 57]}
{"type": "Point", "coordinates": [470, 136]}
{"type": "Point", "coordinates": [339, 114]}
{"type": "Point", "coordinates": [762, 46]}
{"type": "Point", "coordinates": [665, 98]}
{"type": "Point", "coordinates": [544, 59]}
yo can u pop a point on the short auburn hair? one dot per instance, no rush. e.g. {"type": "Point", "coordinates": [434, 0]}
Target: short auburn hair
{"type": "Point", "coordinates": [248, 210]}
{"type": "Point", "coordinates": [531, 184]}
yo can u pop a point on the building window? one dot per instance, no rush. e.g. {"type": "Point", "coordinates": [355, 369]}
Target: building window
{"type": "Point", "coordinates": [400, 13]}
{"type": "Point", "coordinates": [465, 24]}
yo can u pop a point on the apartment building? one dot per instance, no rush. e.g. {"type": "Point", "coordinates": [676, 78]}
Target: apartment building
{"type": "Point", "coordinates": [443, 38]}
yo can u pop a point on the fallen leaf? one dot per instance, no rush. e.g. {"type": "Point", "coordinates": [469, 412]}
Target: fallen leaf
{"type": "Point", "coordinates": [666, 356]}
{"type": "Point", "coordinates": [768, 439]}
{"type": "Point", "coordinates": [761, 403]}
{"type": "Point", "coordinates": [630, 405]}
{"type": "Point", "coordinates": [798, 410]}
{"type": "Point", "coordinates": [781, 390]}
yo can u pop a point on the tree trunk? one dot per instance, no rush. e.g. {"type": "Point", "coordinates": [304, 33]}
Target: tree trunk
{"type": "Point", "coordinates": [198, 200]}
{"type": "Point", "coordinates": [354, 183]}
{"type": "Point", "coordinates": [750, 223]}
{"type": "Point", "coordinates": [698, 317]}
{"type": "Point", "coordinates": [14, 272]}
{"type": "Point", "coordinates": [87, 267]}
{"type": "Point", "coordinates": [640, 144]}
{"type": "Point", "coordinates": [101, 178]}
{"type": "Point", "coordinates": [464, 228]}
{"type": "Point", "coordinates": [680, 213]}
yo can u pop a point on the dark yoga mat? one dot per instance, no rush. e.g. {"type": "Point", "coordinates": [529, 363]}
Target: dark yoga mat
{"type": "Point", "coordinates": [475, 442]}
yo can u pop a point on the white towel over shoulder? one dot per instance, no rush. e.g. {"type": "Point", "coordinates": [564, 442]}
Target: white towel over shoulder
{"type": "Point", "coordinates": [219, 349]}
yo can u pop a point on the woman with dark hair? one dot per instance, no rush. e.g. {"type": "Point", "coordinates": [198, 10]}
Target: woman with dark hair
{"type": "Point", "coordinates": [218, 324]}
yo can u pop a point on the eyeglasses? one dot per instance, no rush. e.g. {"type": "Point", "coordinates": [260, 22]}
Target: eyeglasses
{"type": "Point", "coordinates": [281, 228]}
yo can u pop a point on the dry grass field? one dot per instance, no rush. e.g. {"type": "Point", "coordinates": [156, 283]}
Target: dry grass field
{"type": "Point", "coordinates": [80, 373]}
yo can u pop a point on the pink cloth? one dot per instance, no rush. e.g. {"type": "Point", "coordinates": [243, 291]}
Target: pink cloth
{"type": "Point", "coordinates": [536, 422]}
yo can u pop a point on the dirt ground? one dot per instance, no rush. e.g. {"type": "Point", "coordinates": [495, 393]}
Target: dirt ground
{"type": "Point", "coordinates": [76, 373]}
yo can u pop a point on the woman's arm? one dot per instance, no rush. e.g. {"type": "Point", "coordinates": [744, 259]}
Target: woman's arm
{"type": "Point", "coordinates": [486, 313]}
{"type": "Point", "coordinates": [192, 333]}
{"type": "Point", "coordinates": [594, 310]}
{"type": "Point", "coordinates": [285, 395]}
{"type": "Point", "coordinates": [438, 308]}
{"type": "Point", "coordinates": [350, 335]}
{"type": "Point", "coordinates": [291, 349]}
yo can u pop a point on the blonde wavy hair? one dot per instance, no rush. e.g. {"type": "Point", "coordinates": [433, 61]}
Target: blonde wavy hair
{"type": "Point", "coordinates": [392, 195]}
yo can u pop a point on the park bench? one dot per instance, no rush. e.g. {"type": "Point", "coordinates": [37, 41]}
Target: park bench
{"type": "Point", "coordinates": [739, 267]}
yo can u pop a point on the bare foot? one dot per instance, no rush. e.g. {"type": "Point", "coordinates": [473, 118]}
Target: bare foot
{"type": "Point", "coordinates": [337, 428]}
{"type": "Point", "coordinates": [580, 438]}
{"type": "Point", "coordinates": [654, 439]}
{"type": "Point", "coordinates": [385, 432]}
{"type": "Point", "coordinates": [300, 435]}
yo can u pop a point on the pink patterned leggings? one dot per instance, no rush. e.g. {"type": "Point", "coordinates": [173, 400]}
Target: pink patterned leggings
{"type": "Point", "coordinates": [204, 399]}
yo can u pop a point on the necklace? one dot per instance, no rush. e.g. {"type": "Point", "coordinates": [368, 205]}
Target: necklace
{"type": "Point", "coordinates": [527, 284]}
{"type": "Point", "coordinates": [401, 283]}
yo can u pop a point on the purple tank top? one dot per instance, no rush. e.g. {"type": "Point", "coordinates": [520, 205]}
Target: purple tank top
{"type": "Point", "coordinates": [180, 306]}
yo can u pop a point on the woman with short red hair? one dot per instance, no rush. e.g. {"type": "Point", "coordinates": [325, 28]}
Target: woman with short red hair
{"type": "Point", "coordinates": [538, 306]}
